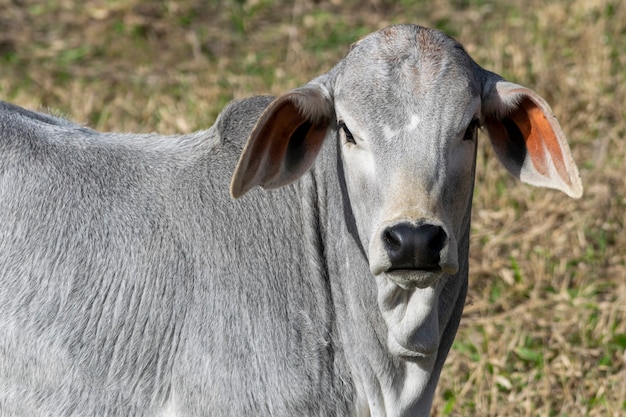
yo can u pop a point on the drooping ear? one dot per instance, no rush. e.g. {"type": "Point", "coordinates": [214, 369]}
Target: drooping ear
{"type": "Point", "coordinates": [285, 141]}
{"type": "Point", "coordinates": [528, 138]}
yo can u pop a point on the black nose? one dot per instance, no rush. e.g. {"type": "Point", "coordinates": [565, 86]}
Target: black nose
{"type": "Point", "coordinates": [414, 246]}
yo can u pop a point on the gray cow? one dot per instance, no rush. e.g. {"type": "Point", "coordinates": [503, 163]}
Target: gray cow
{"type": "Point", "coordinates": [132, 284]}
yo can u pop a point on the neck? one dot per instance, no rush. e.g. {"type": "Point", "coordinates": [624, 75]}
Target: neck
{"type": "Point", "coordinates": [384, 384]}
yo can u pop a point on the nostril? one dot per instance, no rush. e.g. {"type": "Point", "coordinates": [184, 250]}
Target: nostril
{"type": "Point", "coordinates": [393, 241]}
{"type": "Point", "coordinates": [439, 238]}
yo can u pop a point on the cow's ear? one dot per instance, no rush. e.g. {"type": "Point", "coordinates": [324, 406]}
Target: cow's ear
{"type": "Point", "coordinates": [285, 140]}
{"type": "Point", "coordinates": [528, 139]}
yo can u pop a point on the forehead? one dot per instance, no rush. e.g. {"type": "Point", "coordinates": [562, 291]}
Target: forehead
{"type": "Point", "coordinates": [407, 70]}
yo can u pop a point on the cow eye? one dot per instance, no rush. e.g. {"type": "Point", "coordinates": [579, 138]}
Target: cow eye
{"type": "Point", "coordinates": [341, 127]}
{"type": "Point", "coordinates": [472, 129]}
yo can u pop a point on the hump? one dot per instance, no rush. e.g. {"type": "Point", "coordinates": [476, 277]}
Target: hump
{"type": "Point", "coordinates": [236, 121]}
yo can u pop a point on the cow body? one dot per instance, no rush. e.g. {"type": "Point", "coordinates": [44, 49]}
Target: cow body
{"type": "Point", "coordinates": [133, 284]}
{"type": "Point", "coordinates": [125, 304]}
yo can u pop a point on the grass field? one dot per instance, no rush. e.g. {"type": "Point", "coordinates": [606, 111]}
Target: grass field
{"type": "Point", "coordinates": [544, 329]}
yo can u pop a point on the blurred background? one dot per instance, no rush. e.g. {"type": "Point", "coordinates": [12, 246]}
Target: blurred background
{"type": "Point", "coordinates": [544, 329]}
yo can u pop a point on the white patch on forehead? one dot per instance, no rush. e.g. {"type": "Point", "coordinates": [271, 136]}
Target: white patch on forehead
{"type": "Point", "coordinates": [413, 123]}
{"type": "Point", "coordinates": [389, 133]}
{"type": "Point", "coordinates": [410, 128]}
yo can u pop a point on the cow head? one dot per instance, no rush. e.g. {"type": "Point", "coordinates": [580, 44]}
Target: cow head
{"type": "Point", "coordinates": [405, 105]}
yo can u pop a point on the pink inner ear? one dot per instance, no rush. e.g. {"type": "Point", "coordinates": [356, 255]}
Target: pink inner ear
{"type": "Point", "coordinates": [540, 137]}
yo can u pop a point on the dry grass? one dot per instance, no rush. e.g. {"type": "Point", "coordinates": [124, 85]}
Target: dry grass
{"type": "Point", "coordinates": [544, 332]}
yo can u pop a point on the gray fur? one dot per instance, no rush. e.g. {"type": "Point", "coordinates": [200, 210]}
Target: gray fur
{"type": "Point", "coordinates": [133, 285]}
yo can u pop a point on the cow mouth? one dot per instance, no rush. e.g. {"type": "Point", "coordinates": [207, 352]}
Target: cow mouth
{"type": "Point", "coordinates": [410, 279]}
{"type": "Point", "coordinates": [433, 269]}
